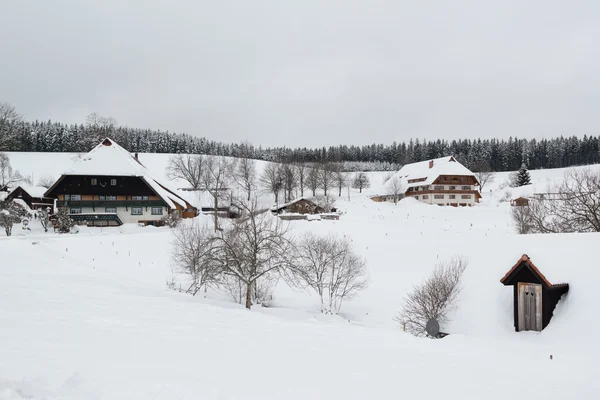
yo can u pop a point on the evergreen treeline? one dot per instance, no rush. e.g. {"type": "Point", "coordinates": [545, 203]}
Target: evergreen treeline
{"type": "Point", "coordinates": [492, 154]}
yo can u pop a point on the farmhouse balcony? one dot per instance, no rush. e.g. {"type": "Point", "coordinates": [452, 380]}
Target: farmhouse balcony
{"type": "Point", "coordinates": [111, 203]}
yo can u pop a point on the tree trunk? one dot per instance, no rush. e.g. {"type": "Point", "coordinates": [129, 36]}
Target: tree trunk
{"type": "Point", "coordinates": [216, 216]}
{"type": "Point", "coordinates": [340, 192]}
{"type": "Point", "coordinates": [360, 189]}
{"type": "Point", "coordinates": [249, 296]}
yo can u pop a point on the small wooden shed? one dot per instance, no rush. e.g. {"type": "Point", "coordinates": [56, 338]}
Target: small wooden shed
{"type": "Point", "coordinates": [534, 296]}
{"type": "Point", "coordinates": [519, 202]}
{"type": "Point", "coordinates": [299, 206]}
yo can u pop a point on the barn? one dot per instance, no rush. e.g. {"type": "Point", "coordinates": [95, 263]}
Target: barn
{"type": "Point", "coordinates": [534, 296]}
{"type": "Point", "coordinates": [299, 206]}
{"type": "Point", "coordinates": [33, 196]}
{"type": "Point", "coordinates": [519, 202]}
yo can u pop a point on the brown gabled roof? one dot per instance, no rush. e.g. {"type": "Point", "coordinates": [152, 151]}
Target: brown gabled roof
{"type": "Point", "coordinates": [525, 259]}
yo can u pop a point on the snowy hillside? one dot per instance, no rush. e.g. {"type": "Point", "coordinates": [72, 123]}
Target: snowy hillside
{"type": "Point", "coordinates": [88, 316]}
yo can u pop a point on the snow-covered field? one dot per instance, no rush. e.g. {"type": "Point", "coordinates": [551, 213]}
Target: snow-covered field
{"type": "Point", "coordinates": [88, 315]}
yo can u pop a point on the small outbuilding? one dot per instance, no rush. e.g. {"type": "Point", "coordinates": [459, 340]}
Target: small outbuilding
{"type": "Point", "coordinates": [519, 202]}
{"type": "Point", "coordinates": [33, 196]}
{"type": "Point", "coordinates": [299, 206]}
{"type": "Point", "coordinates": [534, 296]}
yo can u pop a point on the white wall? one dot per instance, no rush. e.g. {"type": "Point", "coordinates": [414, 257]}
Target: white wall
{"type": "Point", "coordinates": [125, 214]}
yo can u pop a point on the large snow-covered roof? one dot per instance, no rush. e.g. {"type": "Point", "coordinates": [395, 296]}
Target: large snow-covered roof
{"type": "Point", "coordinates": [110, 159]}
{"type": "Point", "coordinates": [431, 169]}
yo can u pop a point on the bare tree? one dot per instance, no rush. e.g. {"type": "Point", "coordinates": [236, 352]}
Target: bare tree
{"type": "Point", "coordinates": [290, 181]}
{"type": "Point", "coordinates": [312, 178]}
{"type": "Point", "coordinates": [94, 120]}
{"type": "Point", "coordinates": [8, 177]}
{"type": "Point", "coordinates": [326, 177]}
{"type": "Point", "coordinates": [570, 206]}
{"type": "Point", "coordinates": [252, 247]}
{"type": "Point", "coordinates": [328, 266]}
{"type": "Point", "coordinates": [325, 202]}
{"type": "Point", "coordinates": [301, 172]}
{"type": "Point", "coordinates": [396, 188]}
{"type": "Point", "coordinates": [191, 254]}
{"type": "Point", "coordinates": [522, 218]}
{"type": "Point", "coordinates": [340, 178]}
{"type": "Point", "coordinates": [434, 298]}
{"type": "Point", "coordinates": [46, 181]}
{"type": "Point", "coordinates": [484, 177]}
{"type": "Point", "coordinates": [8, 113]}
{"type": "Point", "coordinates": [189, 168]}
{"type": "Point", "coordinates": [272, 180]}
{"type": "Point", "coordinates": [361, 181]}
{"type": "Point", "coordinates": [215, 178]}
{"type": "Point", "coordinates": [44, 218]}
{"type": "Point", "coordinates": [245, 172]}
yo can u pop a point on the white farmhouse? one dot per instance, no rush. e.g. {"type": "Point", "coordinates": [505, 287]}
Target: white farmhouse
{"type": "Point", "coordinates": [442, 181]}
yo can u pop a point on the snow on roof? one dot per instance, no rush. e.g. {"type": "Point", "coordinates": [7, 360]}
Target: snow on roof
{"type": "Point", "coordinates": [203, 199]}
{"type": "Point", "coordinates": [34, 191]}
{"type": "Point", "coordinates": [110, 159]}
{"type": "Point", "coordinates": [441, 166]}
{"type": "Point", "coordinates": [280, 206]}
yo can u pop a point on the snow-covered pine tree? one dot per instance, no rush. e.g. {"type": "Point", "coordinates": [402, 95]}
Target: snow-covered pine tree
{"type": "Point", "coordinates": [64, 223]}
{"type": "Point", "coordinates": [523, 177]}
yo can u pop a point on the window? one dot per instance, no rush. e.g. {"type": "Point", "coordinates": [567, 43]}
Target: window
{"type": "Point", "coordinates": [113, 182]}
{"type": "Point", "coordinates": [465, 196]}
{"type": "Point", "coordinates": [438, 188]}
{"type": "Point", "coordinates": [466, 187]}
{"type": "Point", "coordinates": [417, 197]}
{"type": "Point", "coordinates": [425, 196]}
{"type": "Point", "coordinates": [111, 210]}
{"type": "Point", "coordinates": [139, 197]}
{"type": "Point", "coordinates": [75, 210]}
{"type": "Point", "coordinates": [452, 196]}
{"type": "Point", "coordinates": [157, 210]}
{"type": "Point", "coordinates": [137, 211]}
{"type": "Point", "coordinates": [94, 181]}
{"type": "Point", "coordinates": [438, 196]}
{"type": "Point", "coordinates": [76, 197]}
{"type": "Point", "coordinates": [452, 188]}
{"type": "Point", "coordinates": [102, 197]}
{"type": "Point", "coordinates": [67, 197]}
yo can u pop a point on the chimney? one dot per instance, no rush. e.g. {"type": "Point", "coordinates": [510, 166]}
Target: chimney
{"type": "Point", "coordinates": [431, 164]}
{"type": "Point", "coordinates": [136, 156]}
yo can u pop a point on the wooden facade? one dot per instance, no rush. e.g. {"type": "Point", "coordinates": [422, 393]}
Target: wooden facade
{"type": "Point", "coordinates": [519, 202]}
{"type": "Point", "coordinates": [300, 206]}
{"type": "Point", "coordinates": [34, 202]}
{"type": "Point", "coordinates": [535, 298]}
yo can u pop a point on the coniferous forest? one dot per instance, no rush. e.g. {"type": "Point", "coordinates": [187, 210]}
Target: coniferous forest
{"type": "Point", "coordinates": [480, 154]}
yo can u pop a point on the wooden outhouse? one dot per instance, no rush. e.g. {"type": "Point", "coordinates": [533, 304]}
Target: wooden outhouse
{"type": "Point", "coordinates": [534, 296]}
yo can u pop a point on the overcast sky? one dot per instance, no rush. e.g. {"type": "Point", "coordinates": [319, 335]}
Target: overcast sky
{"type": "Point", "coordinates": [308, 72]}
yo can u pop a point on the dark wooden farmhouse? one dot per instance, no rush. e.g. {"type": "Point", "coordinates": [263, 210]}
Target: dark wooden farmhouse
{"type": "Point", "coordinates": [32, 196]}
{"type": "Point", "coordinates": [534, 296]}
{"type": "Point", "coordinates": [299, 206]}
{"type": "Point", "coordinates": [109, 187]}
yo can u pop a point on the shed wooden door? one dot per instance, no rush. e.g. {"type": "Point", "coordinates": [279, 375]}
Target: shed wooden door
{"type": "Point", "coordinates": [530, 307]}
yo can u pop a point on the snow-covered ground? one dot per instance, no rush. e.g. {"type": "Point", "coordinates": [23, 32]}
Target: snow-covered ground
{"type": "Point", "coordinates": [88, 315]}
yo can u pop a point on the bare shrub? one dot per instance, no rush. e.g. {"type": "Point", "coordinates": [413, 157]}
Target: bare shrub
{"type": "Point", "coordinates": [506, 197]}
{"type": "Point", "coordinates": [513, 179]}
{"type": "Point", "coordinates": [328, 266]}
{"type": "Point", "coordinates": [434, 298]}
{"type": "Point", "coordinates": [570, 206]}
{"type": "Point", "coordinates": [191, 255]}
{"type": "Point", "coordinates": [172, 219]}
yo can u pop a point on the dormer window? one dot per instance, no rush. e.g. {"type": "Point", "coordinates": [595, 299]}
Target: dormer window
{"type": "Point", "coordinates": [94, 181]}
{"type": "Point", "coordinates": [113, 182]}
